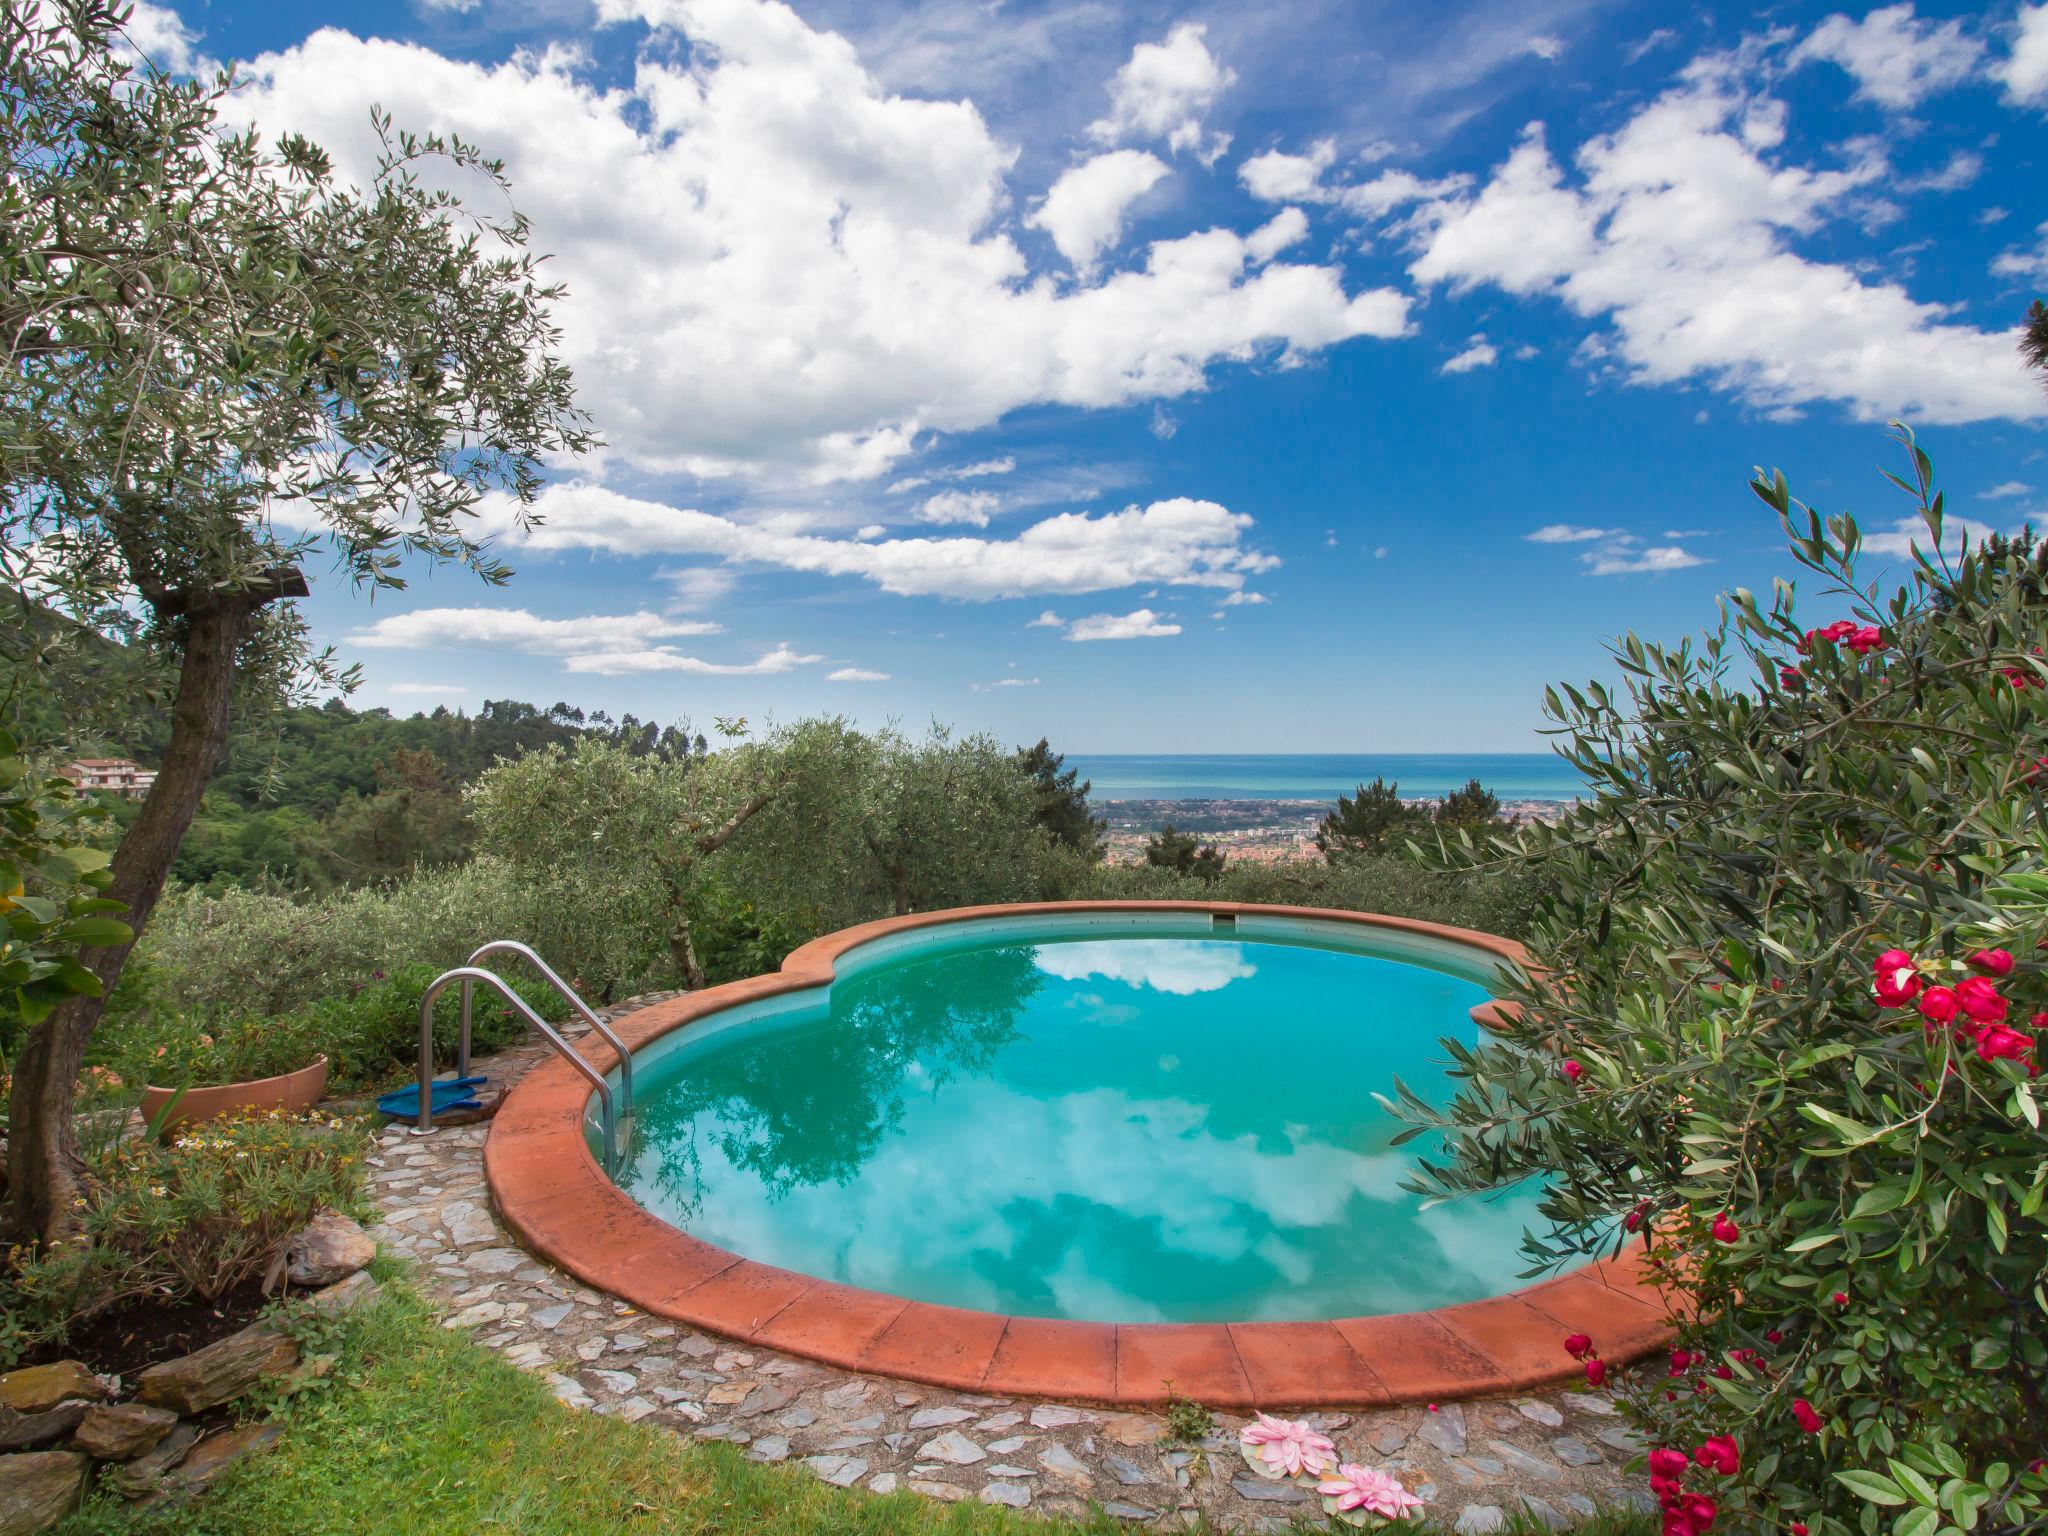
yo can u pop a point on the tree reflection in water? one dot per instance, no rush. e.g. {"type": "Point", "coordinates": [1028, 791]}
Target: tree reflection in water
{"type": "Point", "coordinates": [809, 1100]}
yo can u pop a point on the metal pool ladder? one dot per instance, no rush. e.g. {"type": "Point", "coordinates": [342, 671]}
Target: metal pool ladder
{"type": "Point", "coordinates": [469, 974]}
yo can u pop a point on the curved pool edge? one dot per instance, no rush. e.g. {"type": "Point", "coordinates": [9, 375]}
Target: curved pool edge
{"type": "Point", "coordinates": [557, 1201]}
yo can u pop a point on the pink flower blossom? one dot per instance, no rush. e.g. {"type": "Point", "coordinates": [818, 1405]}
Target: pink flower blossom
{"type": "Point", "coordinates": [1286, 1447]}
{"type": "Point", "coordinates": [1865, 640]}
{"type": "Point", "coordinates": [1898, 979]}
{"type": "Point", "coordinates": [1724, 1230]}
{"type": "Point", "coordinates": [1939, 1005]}
{"type": "Point", "coordinates": [1978, 997]}
{"type": "Point", "coordinates": [1369, 1489]}
{"type": "Point", "coordinates": [1992, 962]}
{"type": "Point", "coordinates": [1572, 1070]}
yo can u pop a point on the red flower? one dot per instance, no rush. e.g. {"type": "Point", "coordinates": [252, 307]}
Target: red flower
{"type": "Point", "coordinates": [1865, 640]}
{"type": "Point", "coordinates": [1596, 1371]}
{"type": "Point", "coordinates": [1721, 1453]}
{"type": "Point", "coordinates": [1700, 1510]}
{"type": "Point", "coordinates": [1680, 1360]}
{"type": "Point", "coordinates": [1724, 1230]}
{"type": "Point", "coordinates": [1979, 998]}
{"type": "Point", "coordinates": [1677, 1523]}
{"type": "Point", "coordinates": [1802, 1410]}
{"type": "Point", "coordinates": [1667, 1490]}
{"type": "Point", "coordinates": [1841, 1298]}
{"type": "Point", "coordinates": [1634, 1220]}
{"type": "Point", "coordinates": [1668, 1463]}
{"type": "Point", "coordinates": [1725, 1372]}
{"type": "Point", "coordinates": [1772, 1336]}
{"type": "Point", "coordinates": [1798, 1528]}
{"type": "Point", "coordinates": [1939, 1005]}
{"type": "Point", "coordinates": [1788, 677]}
{"type": "Point", "coordinates": [1578, 1345]}
{"type": "Point", "coordinates": [1898, 979]}
{"type": "Point", "coordinates": [1571, 1069]}
{"type": "Point", "coordinates": [1992, 962]}
{"type": "Point", "coordinates": [1999, 1043]}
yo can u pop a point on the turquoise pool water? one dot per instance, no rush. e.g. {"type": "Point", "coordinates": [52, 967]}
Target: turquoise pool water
{"type": "Point", "coordinates": [1124, 1121]}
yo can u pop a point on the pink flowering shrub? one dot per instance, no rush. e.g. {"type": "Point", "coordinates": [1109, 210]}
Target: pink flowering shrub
{"type": "Point", "coordinates": [1797, 960]}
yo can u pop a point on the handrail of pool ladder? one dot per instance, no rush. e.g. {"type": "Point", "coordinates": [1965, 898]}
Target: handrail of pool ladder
{"type": "Point", "coordinates": [525, 952]}
{"type": "Point", "coordinates": [472, 973]}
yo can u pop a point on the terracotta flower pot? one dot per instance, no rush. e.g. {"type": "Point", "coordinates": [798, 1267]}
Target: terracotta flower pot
{"type": "Point", "coordinates": [288, 1091]}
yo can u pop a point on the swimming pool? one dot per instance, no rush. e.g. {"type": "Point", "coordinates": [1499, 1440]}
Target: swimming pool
{"type": "Point", "coordinates": [1078, 1149]}
{"type": "Point", "coordinates": [1083, 1117]}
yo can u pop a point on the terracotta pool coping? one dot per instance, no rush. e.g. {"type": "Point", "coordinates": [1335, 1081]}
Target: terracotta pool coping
{"type": "Point", "coordinates": [553, 1195]}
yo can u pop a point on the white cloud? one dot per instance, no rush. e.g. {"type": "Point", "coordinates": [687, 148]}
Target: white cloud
{"type": "Point", "coordinates": [856, 675]}
{"type": "Point", "coordinates": [426, 690]}
{"type": "Point", "coordinates": [1141, 625]}
{"type": "Point", "coordinates": [2005, 491]}
{"type": "Point", "coordinates": [999, 466]}
{"type": "Point", "coordinates": [771, 261]}
{"type": "Point", "coordinates": [158, 35]}
{"type": "Point", "coordinates": [1164, 91]}
{"type": "Point", "coordinates": [1481, 354]}
{"type": "Point", "coordinates": [1623, 561]}
{"type": "Point", "coordinates": [1678, 238]}
{"type": "Point", "coordinates": [1961, 170]}
{"type": "Point", "coordinates": [1545, 46]}
{"type": "Point", "coordinates": [1084, 211]}
{"type": "Point", "coordinates": [1898, 61]}
{"type": "Point", "coordinates": [1278, 177]}
{"type": "Point", "coordinates": [869, 531]}
{"type": "Point", "coordinates": [1046, 620]}
{"type": "Point", "coordinates": [1240, 599]}
{"type": "Point", "coordinates": [666, 658]}
{"type": "Point", "coordinates": [2020, 262]}
{"type": "Point", "coordinates": [515, 629]}
{"type": "Point", "coordinates": [959, 507]}
{"type": "Point", "coordinates": [699, 586]}
{"type": "Point", "coordinates": [1164, 423]}
{"type": "Point", "coordinates": [1004, 682]}
{"type": "Point", "coordinates": [605, 644]}
{"type": "Point", "coordinates": [2024, 72]}
{"type": "Point", "coordinates": [451, 5]}
{"type": "Point", "coordinates": [1179, 542]}
{"type": "Point", "coordinates": [1567, 533]}
{"type": "Point", "coordinates": [1285, 228]}
{"type": "Point", "coordinates": [1909, 533]}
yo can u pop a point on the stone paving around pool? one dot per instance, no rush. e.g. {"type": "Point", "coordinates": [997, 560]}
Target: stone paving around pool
{"type": "Point", "coordinates": [1559, 1455]}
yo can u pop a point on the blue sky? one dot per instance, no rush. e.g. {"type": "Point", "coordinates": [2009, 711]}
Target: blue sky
{"type": "Point", "coordinates": [1305, 377]}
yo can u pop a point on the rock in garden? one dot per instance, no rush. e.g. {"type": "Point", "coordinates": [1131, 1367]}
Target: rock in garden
{"type": "Point", "coordinates": [39, 1388]}
{"type": "Point", "coordinates": [215, 1454]}
{"type": "Point", "coordinates": [329, 1248]}
{"type": "Point", "coordinates": [38, 1488]}
{"type": "Point", "coordinates": [26, 1431]}
{"type": "Point", "coordinates": [219, 1373]}
{"type": "Point", "coordinates": [1012, 1495]}
{"type": "Point", "coordinates": [952, 1447]}
{"type": "Point", "coordinates": [840, 1471]}
{"type": "Point", "coordinates": [1480, 1519]}
{"type": "Point", "coordinates": [122, 1431]}
{"type": "Point", "coordinates": [1540, 1412]}
{"type": "Point", "coordinates": [1063, 1465]}
{"type": "Point", "coordinates": [1445, 1429]}
{"type": "Point", "coordinates": [939, 1418]}
{"type": "Point", "coordinates": [1269, 1492]}
{"type": "Point", "coordinates": [142, 1476]}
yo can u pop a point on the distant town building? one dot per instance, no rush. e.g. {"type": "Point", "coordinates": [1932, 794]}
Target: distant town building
{"type": "Point", "coordinates": [115, 775]}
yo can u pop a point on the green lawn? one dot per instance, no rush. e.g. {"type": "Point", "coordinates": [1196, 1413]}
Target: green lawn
{"type": "Point", "coordinates": [425, 1432]}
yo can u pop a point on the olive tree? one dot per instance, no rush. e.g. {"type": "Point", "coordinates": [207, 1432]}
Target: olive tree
{"type": "Point", "coordinates": [1785, 1022]}
{"type": "Point", "coordinates": [629, 835]}
{"type": "Point", "coordinates": [222, 359]}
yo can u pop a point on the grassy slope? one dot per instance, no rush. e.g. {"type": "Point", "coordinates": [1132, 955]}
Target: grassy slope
{"type": "Point", "coordinates": [427, 1433]}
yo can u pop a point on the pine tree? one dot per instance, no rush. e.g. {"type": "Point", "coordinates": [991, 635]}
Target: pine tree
{"type": "Point", "coordinates": [1371, 822]}
{"type": "Point", "coordinates": [1063, 808]}
{"type": "Point", "coordinates": [1175, 850]}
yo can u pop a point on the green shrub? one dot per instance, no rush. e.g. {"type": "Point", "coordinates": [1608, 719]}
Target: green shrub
{"type": "Point", "coordinates": [1851, 1182]}
{"type": "Point", "coordinates": [201, 1216]}
{"type": "Point", "coordinates": [371, 1035]}
{"type": "Point", "coordinates": [1501, 901]}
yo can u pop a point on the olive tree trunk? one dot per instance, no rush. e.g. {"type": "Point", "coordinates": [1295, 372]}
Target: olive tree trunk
{"type": "Point", "coordinates": [44, 1174]}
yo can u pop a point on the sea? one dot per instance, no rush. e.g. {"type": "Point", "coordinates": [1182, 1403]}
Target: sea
{"type": "Point", "coordinates": [1322, 775]}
